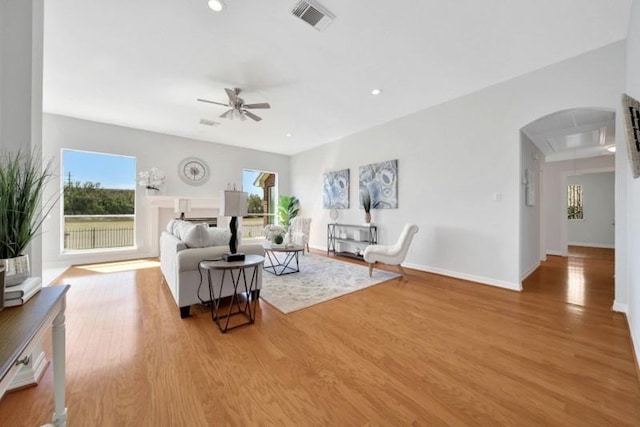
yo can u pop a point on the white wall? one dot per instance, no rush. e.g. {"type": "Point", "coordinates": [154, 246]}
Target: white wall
{"type": "Point", "coordinates": [453, 159]}
{"type": "Point", "coordinates": [21, 44]}
{"type": "Point", "coordinates": [531, 159]}
{"type": "Point", "coordinates": [151, 150]}
{"type": "Point", "coordinates": [596, 229]}
{"type": "Point", "coordinates": [555, 197]}
{"type": "Point", "coordinates": [628, 198]}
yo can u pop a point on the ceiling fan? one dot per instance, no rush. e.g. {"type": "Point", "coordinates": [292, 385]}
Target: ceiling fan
{"type": "Point", "coordinates": [237, 106]}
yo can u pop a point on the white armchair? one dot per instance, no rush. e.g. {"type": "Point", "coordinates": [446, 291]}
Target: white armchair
{"type": "Point", "coordinates": [299, 230]}
{"type": "Point", "coordinates": [391, 254]}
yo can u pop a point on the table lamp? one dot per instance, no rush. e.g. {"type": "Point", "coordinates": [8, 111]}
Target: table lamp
{"type": "Point", "coordinates": [234, 204]}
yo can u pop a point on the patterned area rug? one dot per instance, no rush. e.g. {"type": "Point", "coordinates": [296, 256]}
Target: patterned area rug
{"type": "Point", "coordinates": [320, 279]}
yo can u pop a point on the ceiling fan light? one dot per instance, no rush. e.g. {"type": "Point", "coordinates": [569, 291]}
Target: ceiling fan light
{"type": "Point", "coordinates": [216, 5]}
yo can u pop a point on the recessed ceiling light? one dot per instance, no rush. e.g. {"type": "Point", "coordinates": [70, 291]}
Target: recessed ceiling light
{"type": "Point", "coordinates": [612, 149]}
{"type": "Point", "coordinates": [216, 5]}
{"type": "Point", "coordinates": [289, 134]}
{"type": "Point", "coordinates": [375, 92]}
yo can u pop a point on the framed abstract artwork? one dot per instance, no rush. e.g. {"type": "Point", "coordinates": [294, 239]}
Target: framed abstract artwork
{"type": "Point", "coordinates": [381, 181]}
{"type": "Point", "coordinates": [631, 109]}
{"type": "Point", "coordinates": [335, 189]}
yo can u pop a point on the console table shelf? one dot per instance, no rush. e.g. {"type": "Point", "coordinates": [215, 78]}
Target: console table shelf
{"type": "Point", "coordinates": [350, 234]}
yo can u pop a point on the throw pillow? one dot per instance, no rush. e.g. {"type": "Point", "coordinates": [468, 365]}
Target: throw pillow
{"type": "Point", "coordinates": [171, 225]}
{"type": "Point", "coordinates": [219, 236]}
{"type": "Point", "coordinates": [180, 228]}
{"type": "Point", "coordinates": [197, 236]}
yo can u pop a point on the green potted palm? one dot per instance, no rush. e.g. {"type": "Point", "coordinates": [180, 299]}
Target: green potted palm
{"type": "Point", "coordinates": [288, 209]}
{"type": "Point", "coordinates": [22, 182]}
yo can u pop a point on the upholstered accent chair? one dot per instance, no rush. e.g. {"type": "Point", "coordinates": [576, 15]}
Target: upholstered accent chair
{"type": "Point", "coordinates": [391, 254]}
{"type": "Point", "coordinates": [299, 230]}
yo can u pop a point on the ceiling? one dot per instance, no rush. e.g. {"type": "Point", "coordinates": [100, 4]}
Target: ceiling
{"type": "Point", "coordinates": [144, 63]}
{"type": "Point", "coordinates": [575, 133]}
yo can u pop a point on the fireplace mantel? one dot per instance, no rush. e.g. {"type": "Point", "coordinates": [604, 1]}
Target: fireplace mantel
{"type": "Point", "coordinates": [196, 202]}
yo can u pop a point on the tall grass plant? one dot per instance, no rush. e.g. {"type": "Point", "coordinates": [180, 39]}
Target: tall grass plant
{"type": "Point", "coordinates": [23, 178]}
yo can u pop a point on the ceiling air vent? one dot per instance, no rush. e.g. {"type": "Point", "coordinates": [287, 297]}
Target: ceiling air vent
{"type": "Point", "coordinates": [313, 14]}
{"type": "Point", "coordinates": [208, 122]}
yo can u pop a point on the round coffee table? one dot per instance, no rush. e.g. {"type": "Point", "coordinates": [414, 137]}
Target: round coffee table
{"type": "Point", "coordinates": [281, 258]}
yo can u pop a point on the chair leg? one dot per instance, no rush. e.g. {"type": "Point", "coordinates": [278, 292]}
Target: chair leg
{"type": "Point", "coordinates": [370, 269]}
{"type": "Point", "coordinates": [404, 275]}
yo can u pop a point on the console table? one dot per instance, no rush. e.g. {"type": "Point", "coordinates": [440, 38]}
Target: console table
{"type": "Point", "coordinates": [22, 328]}
{"type": "Point", "coordinates": [363, 235]}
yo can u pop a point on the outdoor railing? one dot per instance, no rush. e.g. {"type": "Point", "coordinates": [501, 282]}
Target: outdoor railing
{"type": "Point", "coordinates": [252, 226]}
{"type": "Point", "coordinates": [83, 232]}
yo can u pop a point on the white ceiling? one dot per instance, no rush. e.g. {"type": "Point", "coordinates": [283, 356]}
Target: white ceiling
{"type": "Point", "coordinates": [143, 63]}
{"type": "Point", "coordinates": [575, 133]}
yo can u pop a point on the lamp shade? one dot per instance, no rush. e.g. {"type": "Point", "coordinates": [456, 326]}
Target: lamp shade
{"type": "Point", "coordinates": [234, 203]}
{"type": "Point", "coordinates": [182, 206]}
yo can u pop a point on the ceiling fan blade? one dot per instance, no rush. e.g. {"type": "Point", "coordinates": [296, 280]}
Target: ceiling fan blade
{"type": "Point", "coordinates": [213, 102]}
{"type": "Point", "coordinates": [232, 95]}
{"type": "Point", "coordinates": [259, 105]}
{"type": "Point", "coordinates": [251, 115]}
{"type": "Point", "coordinates": [227, 114]}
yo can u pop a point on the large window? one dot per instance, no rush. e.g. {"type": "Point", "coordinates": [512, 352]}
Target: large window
{"type": "Point", "coordinates": [262, 203]}
{"type": "Point", "coordinates": [99, 200]}
{"type": "Point", "coordinates": [574, 202]}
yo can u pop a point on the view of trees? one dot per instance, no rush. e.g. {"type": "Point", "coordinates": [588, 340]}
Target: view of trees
{"type": "Point", "coordinates": [89, 198]}
{"type": "Point", "coordinates": [254, 204]}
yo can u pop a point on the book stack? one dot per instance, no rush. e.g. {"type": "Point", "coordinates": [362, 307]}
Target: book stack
{"type": "Point", "coordinates": [20, 294]}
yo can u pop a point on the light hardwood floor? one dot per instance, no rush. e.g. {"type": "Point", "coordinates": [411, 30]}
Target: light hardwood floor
{"type": "Point", "coordinates": [430, 351]}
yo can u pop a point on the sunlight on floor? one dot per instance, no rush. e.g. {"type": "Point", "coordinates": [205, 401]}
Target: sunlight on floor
{"type": "Point", "coordinates": [115, 267]}
{"type": "Point", "coordinates": [575, 283]}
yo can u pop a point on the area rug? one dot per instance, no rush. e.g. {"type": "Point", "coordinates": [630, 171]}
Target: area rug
{"type": "Point", "coordinates": [320, 279]}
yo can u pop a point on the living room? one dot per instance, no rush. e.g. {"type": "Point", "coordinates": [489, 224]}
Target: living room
{"type": "Point", "coordinates": [462, 152]}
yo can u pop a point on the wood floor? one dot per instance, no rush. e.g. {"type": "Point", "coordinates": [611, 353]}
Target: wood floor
{"type": "Point", "coordinates": [431, 351]}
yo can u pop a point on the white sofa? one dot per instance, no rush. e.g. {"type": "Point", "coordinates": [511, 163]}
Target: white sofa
{"type": "Point", "coordinates": [182, 247]}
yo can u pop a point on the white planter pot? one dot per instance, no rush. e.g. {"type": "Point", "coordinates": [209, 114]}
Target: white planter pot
{"type": "Point", "coordinates": [16, 270]}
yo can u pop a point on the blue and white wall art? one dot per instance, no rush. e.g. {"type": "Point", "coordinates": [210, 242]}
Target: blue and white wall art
{"type": "Point", "coordinates": [335, 189]}
{"type": "Point", "coordinates": [381, 180]}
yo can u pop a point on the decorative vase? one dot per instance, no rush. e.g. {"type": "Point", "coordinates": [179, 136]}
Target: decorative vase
{"type": "Point", "coordinates": [367, 217]}
{"type": "Point", "coordinates": [16, 270]}
{"type": "Point", "coordinates": [152, 191]}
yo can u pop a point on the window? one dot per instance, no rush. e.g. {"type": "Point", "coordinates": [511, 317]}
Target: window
{"type": "Point", "coordinates": [262, 203]}
{"type": "Point", "coordinates": [574, 202]}
{"type": "Point", "coordinates": [99, 200]}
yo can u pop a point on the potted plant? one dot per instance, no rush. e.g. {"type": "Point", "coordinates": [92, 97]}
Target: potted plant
{"type": "Point", "coordinates": [288, 209]}
{"type": "Point", "coordinates": [365, 197]}
{"type": "Point", "coordinates": [22, 183]}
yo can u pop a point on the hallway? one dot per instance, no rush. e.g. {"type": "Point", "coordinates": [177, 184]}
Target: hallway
{"type": "Point", "coordinates": [584, 278]}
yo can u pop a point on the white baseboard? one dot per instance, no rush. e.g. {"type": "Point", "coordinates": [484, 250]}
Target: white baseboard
{"type": "Point", "coordinates": [556, 253]}
{"type": "Point", "coordinates": [591, 245]}
{"type": "Point", "coordinates": [31, 373]}
{"type": "Point", "coordinates": [635, 343]}
{"type": "Point", "coordinates": [622, 308]}
{"type": "Point", "coordinates": [528, 272]}
{"type": "Point", "coordinates": [470, 277]}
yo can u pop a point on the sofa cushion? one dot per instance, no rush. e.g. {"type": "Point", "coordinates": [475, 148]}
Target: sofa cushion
{"type": "Point", "coordinates": [171, 226]}
{"type": "Point", "coordinates": [196, 236]}
{"type": "Point", "coordinates": [219, 236]}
